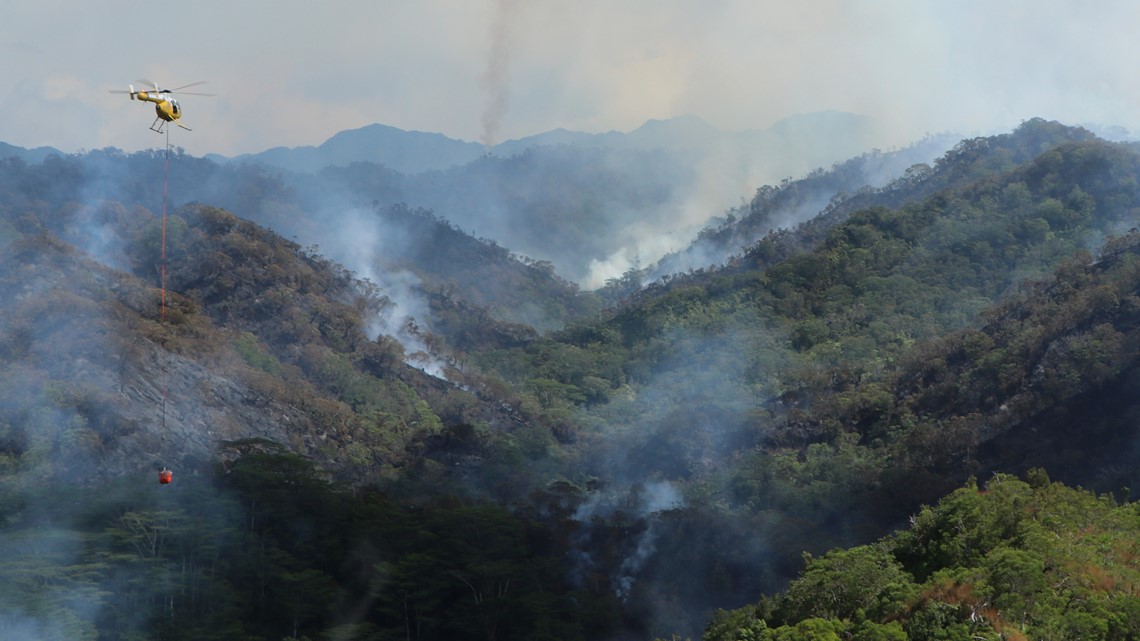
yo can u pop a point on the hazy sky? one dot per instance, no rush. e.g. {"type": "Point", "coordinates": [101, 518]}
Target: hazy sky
{"type": "Point", "coordinates": [293, 73]}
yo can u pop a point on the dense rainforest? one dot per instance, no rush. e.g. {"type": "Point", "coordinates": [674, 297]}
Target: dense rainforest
{"type": "Point", "coordinates": [390, 450]}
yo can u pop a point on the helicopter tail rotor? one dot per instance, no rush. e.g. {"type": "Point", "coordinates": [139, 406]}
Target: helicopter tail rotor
{"type": "Point", "coordinates": [130, 91]}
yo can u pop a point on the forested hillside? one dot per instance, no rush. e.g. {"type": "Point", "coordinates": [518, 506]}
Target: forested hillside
{"type": "Point", "coordinates": [875, 361]}
{"type": "Point", "coordinates": [336, 217]}
{"type": "Point", "coordinates": [259, 339]}
{"type": "Point", "coordinates": [822, 344]}
{"type": "Point", "coordinates": [1008, 560]}
{"type": "Point", "coordinates": [379, 450]}
{"type": "Point", "coordinates": [885, 178]}
{"type": "Point", "coordinates": [268, 392]}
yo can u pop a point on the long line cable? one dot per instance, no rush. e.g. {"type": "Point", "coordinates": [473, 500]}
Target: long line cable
{"type": "Point", "coordinates": [162, 284]}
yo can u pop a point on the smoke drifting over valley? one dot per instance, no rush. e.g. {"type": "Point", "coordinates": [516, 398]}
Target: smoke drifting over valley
{"type": "Point", "coordinates": [593, 206]}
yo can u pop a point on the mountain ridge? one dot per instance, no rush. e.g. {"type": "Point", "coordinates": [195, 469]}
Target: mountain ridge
{"type": "Point", "coordinates": [412, 152]}
{"type": "Point", "coordinates": [32, 155]}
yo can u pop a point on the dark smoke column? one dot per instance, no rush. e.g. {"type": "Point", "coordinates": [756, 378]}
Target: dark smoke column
{"type": "Point", "coordinates": [496, 77]}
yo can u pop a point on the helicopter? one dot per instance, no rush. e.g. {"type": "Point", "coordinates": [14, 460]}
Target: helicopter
{"type": "Point", "coordinates": [165, 105]}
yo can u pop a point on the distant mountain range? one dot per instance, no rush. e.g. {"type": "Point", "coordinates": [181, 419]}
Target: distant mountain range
{"type": "Point", "coordinates": [27, 155]}
{"type": "Point", "coordinates": [837, 135]}
{"type": "Point", "coordinates": [820, 138]}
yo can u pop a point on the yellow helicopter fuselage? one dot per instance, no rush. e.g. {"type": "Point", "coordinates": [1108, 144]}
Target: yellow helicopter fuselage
{"type": "Point", "coordinates": [166, 108]}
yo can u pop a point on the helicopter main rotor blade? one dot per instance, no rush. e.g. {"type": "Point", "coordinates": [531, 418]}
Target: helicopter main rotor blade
{"type": "Point", "coordinates": [157, 90]}
{"type": "Point", "coordinates": [193, 84]}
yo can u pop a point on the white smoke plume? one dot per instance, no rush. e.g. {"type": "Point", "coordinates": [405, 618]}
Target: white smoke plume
{"type": "Point", "coordinates": [362, 239]}
{"type": "Point", "coordinates": [643, 501]}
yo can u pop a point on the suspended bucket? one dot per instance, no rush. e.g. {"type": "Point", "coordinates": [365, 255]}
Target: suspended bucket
{"type": "Point", "coordinates": [165, 476]}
